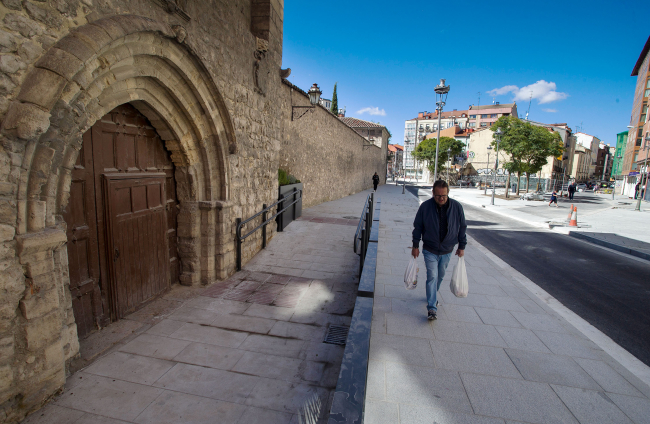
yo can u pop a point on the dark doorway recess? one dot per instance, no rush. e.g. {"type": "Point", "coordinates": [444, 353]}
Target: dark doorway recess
{"type": "Point", "coordinates": [121, 220]}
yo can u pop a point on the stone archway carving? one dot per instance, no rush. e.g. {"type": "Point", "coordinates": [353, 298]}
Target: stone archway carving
{"type": "Point", "coordinates": [86, 74]}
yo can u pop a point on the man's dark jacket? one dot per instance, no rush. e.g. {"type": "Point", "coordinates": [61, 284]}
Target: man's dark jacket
{"type": "Point", "coordinates": [426, 227]}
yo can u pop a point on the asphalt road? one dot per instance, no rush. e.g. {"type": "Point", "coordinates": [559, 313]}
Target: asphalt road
{"type": "Point", "coordinates": [609, 290]}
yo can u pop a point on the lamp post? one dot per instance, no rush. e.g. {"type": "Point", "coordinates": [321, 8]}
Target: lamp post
{"type": "Point", "coordinates": [498, 133]}
{"type": "Point", "coordinates": [449, 159]}
{"type": "Point", "coordinates": [442, 91]}
{"type": "Point", "coordinates": [646, 147]}
{"type": "Point", "coordinates": [619, 157]}
{"type": "Point", "coordinates": [314, 96]}
{"type": "Point", "coordinates": [488, 168]}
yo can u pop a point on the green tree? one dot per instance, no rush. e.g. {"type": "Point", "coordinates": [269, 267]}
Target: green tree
{"type": "Point", "coordinates": [426, 152]}
{"type": "Point", "coordinates": [529, 146]}
{"type": "Point", "coordinates": [335, 102]}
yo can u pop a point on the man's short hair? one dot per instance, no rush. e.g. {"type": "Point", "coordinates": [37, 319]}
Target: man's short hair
{"type": "Point", "coordinates": [441, 184]}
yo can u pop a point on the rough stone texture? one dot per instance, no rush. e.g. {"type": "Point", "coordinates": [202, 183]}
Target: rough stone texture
{"type": "Point", "coordinates": [326, 155]}
{"type": "Point", "coordinates": [65, 64]}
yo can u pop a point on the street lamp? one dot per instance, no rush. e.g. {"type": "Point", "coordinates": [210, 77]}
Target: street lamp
{"type": "Point", "coordinates": [442, 91]}
{"type": "Point", "coordinates": [314, 96]}
{"type": "Point", "coordinates": [498, 133]}
{"type": "Point", "coordinates": [488, 168]}
{"type": "Point", "coordinates": [619, 157]}
{"type": "Point", "coordinates": [646, 147]}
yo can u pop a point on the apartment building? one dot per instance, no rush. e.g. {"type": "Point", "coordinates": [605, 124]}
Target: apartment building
{"type": "Point", "coordinates": [395, 159]}
{"type": "Point", "coordinates": [638, 118]}
{"type": "Point", "coordinates": [621, 142]}
{"type": "Point", "coordinates": [486, 115]}
{"type": "Point", "coordinates": [475, 117]}
{"type": "Point", "coordinates": [581, 163]}
{"type": "Point", "coordinates": [591, 143]}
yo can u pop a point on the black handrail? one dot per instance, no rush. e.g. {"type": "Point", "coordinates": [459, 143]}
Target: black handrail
{"type": "Point", "coordinates": [363, 232]}
{"type": "Point", "coordinates": [239, 239]}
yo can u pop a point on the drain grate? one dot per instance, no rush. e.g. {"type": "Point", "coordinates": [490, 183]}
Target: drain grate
{"type": "Point", "coordinates": [350, 217]}
{"type": "Point", "coordinates": [337, 334]}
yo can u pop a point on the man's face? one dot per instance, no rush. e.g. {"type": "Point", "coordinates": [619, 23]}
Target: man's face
{"type": "Point", "coordinates": [440, 194]}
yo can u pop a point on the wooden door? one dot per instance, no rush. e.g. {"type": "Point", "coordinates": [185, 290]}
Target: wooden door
{"type": "Point", "coordinates": [83, 253]}
{"type": "Point", "coordinates": [122, 142]}
{"type": "Point", "coordinates": [137, 238]}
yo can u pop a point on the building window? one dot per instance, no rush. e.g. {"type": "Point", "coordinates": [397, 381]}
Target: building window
{"type": "Point", "coordinates": [484, 124]}
{"type": "Point", "coordinates": [484, 116]}
{"type": "Point", "coordinates": [494, 115]}
{"type": "Point", "coordinates": [472, 124]}
{"type": "Point", "coordinates": [638, 142]}
{"type": "Point", "coordinates": [472, 117]}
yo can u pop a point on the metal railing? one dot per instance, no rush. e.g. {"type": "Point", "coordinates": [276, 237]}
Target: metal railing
{"type": "Point", "coordinates": [239, 239]}
{"type": "Point", "coordinates": [362, 235]}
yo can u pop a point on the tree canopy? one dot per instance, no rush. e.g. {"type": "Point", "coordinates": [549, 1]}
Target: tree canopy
{"type": "Point", "coordinates": [426, 151]}
{"type": "Point", "coordinates": [528, 145]}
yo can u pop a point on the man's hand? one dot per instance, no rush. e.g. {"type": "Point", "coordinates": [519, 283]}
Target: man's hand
{"type": "Point", "coordinates": [460, 253]}
{"type": "Point", "coordinates": [415, 252]}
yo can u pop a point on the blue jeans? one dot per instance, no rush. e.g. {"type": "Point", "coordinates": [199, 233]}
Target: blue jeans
{"type": "Point", "coordinates": [436, 267]}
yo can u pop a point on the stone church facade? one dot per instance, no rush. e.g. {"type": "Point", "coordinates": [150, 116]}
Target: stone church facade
{"type": "Point", "coordinates": [133, 133]}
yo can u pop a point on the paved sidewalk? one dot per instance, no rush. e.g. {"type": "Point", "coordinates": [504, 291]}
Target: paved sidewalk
{"type": "Point", "coordinates": [245, 350]}
{"type": "Point", "coordinates": [501, 355]}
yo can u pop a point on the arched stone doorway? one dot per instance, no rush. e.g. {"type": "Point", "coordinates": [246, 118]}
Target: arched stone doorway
{"type": "Point", "coordinates": [120, 220]}
{"type": "Point", "coordinates": [91, 71]}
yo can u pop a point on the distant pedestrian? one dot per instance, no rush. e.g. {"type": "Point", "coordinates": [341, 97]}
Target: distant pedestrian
{"type": "Point", "coordinates": [572, 190]}
{"type": "Point", "coordinates": [637, 187]}
{"type": "Point", "coordinates": [375, 180]}
{"type": "Point", "coordinates": [440, 222]}
{"type": "Point", "coordinates": [553, 199]}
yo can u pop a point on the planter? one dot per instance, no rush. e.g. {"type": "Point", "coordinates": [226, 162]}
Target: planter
{"type": "Point", "coordinates": [290, 193]}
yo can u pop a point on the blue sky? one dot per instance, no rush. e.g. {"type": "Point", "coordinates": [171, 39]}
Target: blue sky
{"type": "Point", "coordinates": [388, 56]}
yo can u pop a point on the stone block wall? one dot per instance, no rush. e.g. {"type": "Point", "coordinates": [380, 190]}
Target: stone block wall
{"type": "Point", "coordinates": [206, 74]}
{"type": "Point", "coordinates": [326, 155]}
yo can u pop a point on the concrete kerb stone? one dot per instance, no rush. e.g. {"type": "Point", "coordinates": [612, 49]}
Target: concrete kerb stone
{"type": "Point", "coordinates": [350, 396]}
{"type": "Point", "coordinates": [610, 245]}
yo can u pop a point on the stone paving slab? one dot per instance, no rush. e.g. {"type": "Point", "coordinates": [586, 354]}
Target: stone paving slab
{"type": "Point", "coordinates": [501, 355]}
{"type": "Point", "coordinates": [245, 350]}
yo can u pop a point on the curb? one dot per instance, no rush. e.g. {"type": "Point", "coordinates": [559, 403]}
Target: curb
{"type": "Point", "coordinates": [613, 246]}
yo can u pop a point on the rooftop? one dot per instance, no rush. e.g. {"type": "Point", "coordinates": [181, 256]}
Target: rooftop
{"type": "Point", "coordinates": [360, 123]}
{"type": "Point", "coordinates": [642, 56]}
{"type": "Point", "coordinates": [503, 105]}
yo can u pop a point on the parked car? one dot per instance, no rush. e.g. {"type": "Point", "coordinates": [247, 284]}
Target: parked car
{"type": "Point", "coordinates": [539, 195]}
{"type": "Point", "coordinates": [581, 187]}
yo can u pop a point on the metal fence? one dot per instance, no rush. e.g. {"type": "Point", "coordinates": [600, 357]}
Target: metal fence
{"type": "Point", "coordinates": [362, 235]}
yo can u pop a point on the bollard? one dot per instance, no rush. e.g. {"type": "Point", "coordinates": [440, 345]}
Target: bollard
{"type": "Point", "coordinates": [238, 242]}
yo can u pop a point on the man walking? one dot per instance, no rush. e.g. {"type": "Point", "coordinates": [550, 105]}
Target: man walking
{"type": "Point", "coordinates": [572, 190]}
{"type": "Point", "coordinates": [375, 181]}
{"type": "Point", "coordinates": [440, 222]}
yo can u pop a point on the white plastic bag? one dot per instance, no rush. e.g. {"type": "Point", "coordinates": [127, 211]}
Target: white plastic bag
{"type": "Point", "coordinates": [411, 275]}
{"type": "Point", "coordinates": [459, 286]}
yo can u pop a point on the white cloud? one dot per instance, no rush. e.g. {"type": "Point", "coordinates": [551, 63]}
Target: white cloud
{"type": "Point", "coordinates": [542, 91]}
{"type": "Point", "coordinates": [372, 111]}
{"type": "Point", "coordinates": [550, 110]}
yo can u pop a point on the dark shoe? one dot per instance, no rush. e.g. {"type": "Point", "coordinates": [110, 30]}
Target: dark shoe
{"type": "Point", "coordinates": [432, 315]}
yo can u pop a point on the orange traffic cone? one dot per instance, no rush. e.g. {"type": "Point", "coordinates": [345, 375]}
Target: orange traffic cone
{"type": "Point", "coordinates": [568, 218]}
{"type": "Point", "coordinates": [574, 218]}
